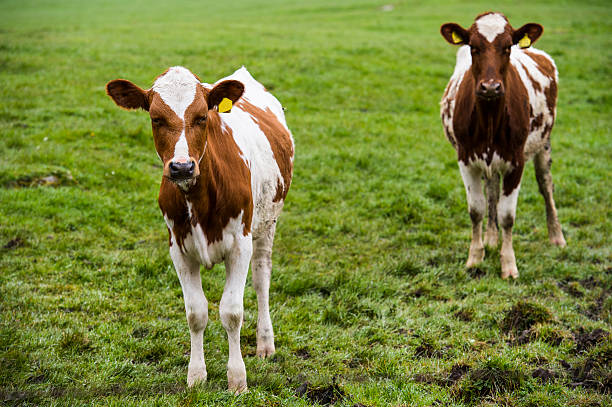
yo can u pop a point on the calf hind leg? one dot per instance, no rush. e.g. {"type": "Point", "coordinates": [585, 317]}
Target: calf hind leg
{"type": "Point", "coordinates": [542, 162]}
{"type": "Point", "coordinates": [492, 232]}
{"type": "Point", "coordinates": [261, 266]}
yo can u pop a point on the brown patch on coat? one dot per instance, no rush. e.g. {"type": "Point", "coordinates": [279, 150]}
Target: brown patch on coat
{"type": "Point", "coordinates": [280, 142]}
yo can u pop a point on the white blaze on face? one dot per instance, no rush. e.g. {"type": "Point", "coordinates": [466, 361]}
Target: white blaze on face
{"type": "Point", "coordinates": [177, 88]}
{"type": "Point", "coordinates": [491, 25]}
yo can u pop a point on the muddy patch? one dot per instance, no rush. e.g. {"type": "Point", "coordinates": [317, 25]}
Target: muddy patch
{"type": "Point", "coordinates": [303, 353]}
{"type": "Point", "coordinates": [53, 178]}
{"type": "Point", "coordinates": [586, 340]}
{"type": "Point", "coordinates": [325, 395]}
{"type": "Point", "coordinates": [457, 372]}
{"type": "Point", "coordinates": [476, 272]}
{"type": "Point", "coordinates": [544, 375]}
{"type": "Point", "coordinates": [14, 243]}
{"type": "Point", "coordinates": [465, 314]}
{"type": "Point", "coordinates": [592, 374]}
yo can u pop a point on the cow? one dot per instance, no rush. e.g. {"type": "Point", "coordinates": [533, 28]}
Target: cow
{"type": "Point", "coordinates": [227, 157]}
{"type": "Point", "coordinates": [498, 111]}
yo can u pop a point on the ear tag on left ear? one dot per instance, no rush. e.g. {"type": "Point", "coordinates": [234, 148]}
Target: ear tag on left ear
{"type": "Point", "coordinates": [525, 42]}
{"type": "Point", "coordinates": [225, 105]}
{"type": "Point", "coordinates": [456, 38]}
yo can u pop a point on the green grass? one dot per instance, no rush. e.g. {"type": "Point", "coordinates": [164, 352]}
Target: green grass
{"type": "Point", "coordinates": [369, 287]}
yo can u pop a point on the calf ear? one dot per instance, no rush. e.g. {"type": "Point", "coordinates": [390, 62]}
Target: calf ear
{"type": "Point", "coordinates": [127, 95]}
{"type": "Point", "coordinates": [527, 35]}
{"type": "Point", "coordinates": [455, 34]}
{"type": "Point", "coordinates": [230, 89]}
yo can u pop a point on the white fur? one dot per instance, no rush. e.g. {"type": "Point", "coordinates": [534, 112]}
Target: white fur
{"type": "Point", "coordinates": [181, 149]}
{"type": "Point", "coordinates": [491, 25]}
{"type": "Point", "coordinates": [177, 88]}
{"type": "Point", "coordinates": [537, 98]}
{"type": "Point", "coordinates": [464, 62]}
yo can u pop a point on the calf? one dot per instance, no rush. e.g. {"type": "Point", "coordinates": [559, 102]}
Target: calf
{"type": "Point", "coordinates": [498, 111]}
{"type": "Point", "coordinates": [226, 172]}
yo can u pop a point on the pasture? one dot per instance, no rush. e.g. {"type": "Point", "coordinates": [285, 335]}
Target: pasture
{"type": "Point", "coordinates": [370, 299]}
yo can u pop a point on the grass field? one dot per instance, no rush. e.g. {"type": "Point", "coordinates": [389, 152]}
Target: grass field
{"type": "Point", "coordinates": [370, 300]}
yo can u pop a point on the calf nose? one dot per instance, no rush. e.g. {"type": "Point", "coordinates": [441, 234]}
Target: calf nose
{"type": "Point", "coordinates": [490, 88]}
{"type": "Point", "coordinates": [181, 169]}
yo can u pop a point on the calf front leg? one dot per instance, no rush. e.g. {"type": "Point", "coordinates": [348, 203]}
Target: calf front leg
{"type": "Point", "coordinates": [492, 232]}
{"type": "Point", "coordinates": [506, 213]}
{"type": "Point", "coordinates": [196, 308]}
{"type": "Point", "coordinates": [542, 162]}
{"type": "Point", "coordinates": [231, 311]}
{"type": "Point", "coordinates": [476, 205]}
{"type": "Point", "coordinates": [261, 266]}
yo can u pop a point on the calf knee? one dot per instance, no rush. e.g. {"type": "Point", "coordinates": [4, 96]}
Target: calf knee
{"type": "Point", "coordinates": [476, 215]}
{"type": "Point", "coordinates": [231, 316]}
{"type": "Point", "coordinates": [197, 320]}
{"type": "Point", "coordinates": [506, 220]}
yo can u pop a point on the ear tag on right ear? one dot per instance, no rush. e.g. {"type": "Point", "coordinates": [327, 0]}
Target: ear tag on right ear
{"type": "Point", "coordinates": [456, 38]}
{"type": "Point", "coordinates": [525, 42]}
{"type": "Point", "coordinates": [225, 105]}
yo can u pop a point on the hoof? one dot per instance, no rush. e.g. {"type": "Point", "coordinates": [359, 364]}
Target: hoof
{"type": "Point", "coordinates": [196, 376]}
{"type": "Point", "coordinates": [236, 380]}
{"type": "Point", "coordinates": [558, 241]}
{"type": "Point", "coordinates": [509, 272]}
{"type": "Point", "coordinates": [237, 387]}
{"type": "Point", "coordinates": [475, 256]}
{"type": "Point", "coordinates": [265, 351]}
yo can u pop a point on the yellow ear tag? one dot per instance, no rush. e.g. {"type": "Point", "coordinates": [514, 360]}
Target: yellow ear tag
{"type": "Point", "coordinates": [225, 105]}
{"type": "Point", "coordinates": [456, 38]}
{"type": "Point", "coordinates": [525, 42]}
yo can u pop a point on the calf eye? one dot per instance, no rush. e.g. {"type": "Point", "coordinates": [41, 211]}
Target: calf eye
{"type": "Point", "coordinates": [157, 121]}
{"type": "Point", "coordinates": [200, 120]}
{"type": "Point", "coordinates": [474, 50]}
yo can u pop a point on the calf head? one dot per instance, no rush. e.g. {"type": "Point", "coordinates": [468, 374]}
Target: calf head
{"type": "Point", "coordinates": [179, 107]}
{"type": "Point", "coordinates": [490, 39]}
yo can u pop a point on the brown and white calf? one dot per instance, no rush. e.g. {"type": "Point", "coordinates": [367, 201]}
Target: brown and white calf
{"type": "Point", "coordinates": [498, 111]}
{"type": "Point", "coordinates": [225, 177]}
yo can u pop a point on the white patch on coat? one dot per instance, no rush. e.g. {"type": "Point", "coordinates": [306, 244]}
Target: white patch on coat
{"type": "Point", "coordinates": [210, 253]}
{"type": "Point", "coordinates": [447, 105]}
{"type": "Point", "coordinates": [507, 205]}
{"type": "Point", "coordinates": [181, 149]}
{"type": "Point", "coordinates": [471, 175]}
{"type": "Point", "coordinates": [524, 64]}
{"type": "Point", "coordinates": [177, 88]}
{"type": "Point", "coordinates": [491, 25]}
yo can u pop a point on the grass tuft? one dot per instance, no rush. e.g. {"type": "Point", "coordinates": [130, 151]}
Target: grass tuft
{"type": "Point", "coordinates": [523, 315]}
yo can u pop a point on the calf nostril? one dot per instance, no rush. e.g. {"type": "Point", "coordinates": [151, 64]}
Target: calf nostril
{"type": "Point", "coordinates": [191, 166]}
{"type": "Point", "coordinates": [497, 87]}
